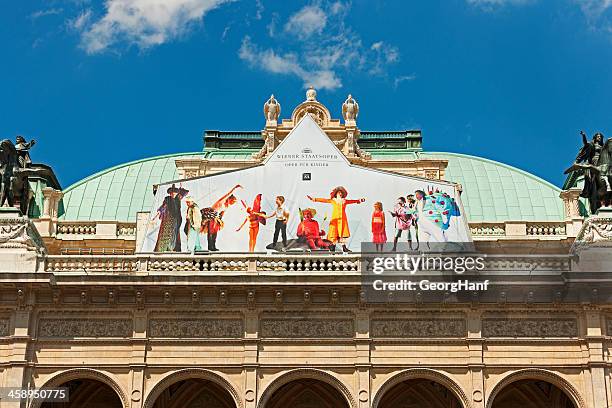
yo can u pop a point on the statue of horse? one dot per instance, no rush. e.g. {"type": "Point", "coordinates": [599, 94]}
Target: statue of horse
{"type": "Point", "coordinates": [14, 185]}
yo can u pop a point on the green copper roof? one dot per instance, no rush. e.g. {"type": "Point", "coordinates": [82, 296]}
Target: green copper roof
{"type": "Point", "coordinates": [119, 192]}
{"type": "Point", "coordinates": [492, 191]}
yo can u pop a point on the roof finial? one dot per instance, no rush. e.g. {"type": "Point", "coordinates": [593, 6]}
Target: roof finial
{"type": "Point", "coordinates": [311, 94]}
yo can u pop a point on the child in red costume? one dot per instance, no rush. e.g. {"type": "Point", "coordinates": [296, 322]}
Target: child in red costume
{"type": "Point", "coordinates": [309, 231]}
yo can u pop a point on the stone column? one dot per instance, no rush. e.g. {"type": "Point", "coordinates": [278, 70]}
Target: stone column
{"type": "Point", "coordinates": [597, 364]}
{"type": "Point", "coordinates": [139, 359]}
{"type": "Point", "coordinates": [349, 147]}
{"type": "Point", "coordinates": [363, 363]}
{"type": "Point", "coordinates": [571, 210]}
{"type": "Point", "coordinates": [270, 136]}
{"type": "Point", "coordinates": [46, 224]}
{"type": "Point", "coordinates": [476, 360]}
{"type": "Point", "coordinates": [251, 358]}
{"type": "Point", "coordinates": [15, 375]}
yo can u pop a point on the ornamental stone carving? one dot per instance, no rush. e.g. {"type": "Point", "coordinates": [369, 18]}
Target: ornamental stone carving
{"type": "Point", "coordinates": [196, 328]}
{"type": "Point", "coordinates": [4, 327]}
{"type": "Point", "coordinates": [272, 110]}
{"type": "Point", "coordinates": [311, 94]}
{"type": "Point", "coordinates": [64, 328]}
{"type": "Point", "coordinates": [307, 328]}
{"type": "Point", "coordinates": [596, 232]}
{"type": "Point", "coordinates": [418, 328]}
{"type": "Point", "coordinates": [312, 107]}
{"type": "Point", "coordinates": [536, 327]}
{"type": "Point", "coordinates": [18, 233]}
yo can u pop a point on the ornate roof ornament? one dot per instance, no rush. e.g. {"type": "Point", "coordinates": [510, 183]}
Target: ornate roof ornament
{"type": "Point", "coordinates": [350, 110]}
{"type": "Point", "coordinates": [311, 94]}
{"type": "Point", "coordinates": [312, 107]}
{"type": "Point", "coordinates": [272, 110]}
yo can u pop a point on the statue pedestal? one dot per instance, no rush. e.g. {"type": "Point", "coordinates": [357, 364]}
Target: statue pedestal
{"type": "Point", "coordinates": [21, 247]}
{"type": "Point", "coordinates": [593, 245]}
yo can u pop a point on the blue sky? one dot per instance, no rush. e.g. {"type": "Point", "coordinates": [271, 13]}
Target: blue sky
{"type": "Point", "coordinates": [99, 83]}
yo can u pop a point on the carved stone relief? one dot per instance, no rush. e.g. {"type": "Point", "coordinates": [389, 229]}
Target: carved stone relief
{"type": "Point", "coordinates": [307, 328]}
{"type": "Point", "coordinates": [536, 327]}
{"type": "Point", "coordinates": [63, 328]}
{"type": "Point", "coordinates": [196, 328]}
{"type": "Point", "coordinates": [418, 328]}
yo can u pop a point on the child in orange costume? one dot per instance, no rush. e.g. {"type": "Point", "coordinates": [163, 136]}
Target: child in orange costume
{"type": "Point", "coordinates": [338, 224]}
{"type": "Point", "coordinates": [254, 217]}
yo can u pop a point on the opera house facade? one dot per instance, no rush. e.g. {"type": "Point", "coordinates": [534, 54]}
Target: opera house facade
{"type": "Point", "coordinates": [232, 278]}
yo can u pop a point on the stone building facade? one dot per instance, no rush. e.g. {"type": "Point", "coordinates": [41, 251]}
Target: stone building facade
{"type": "Point", "coordinates": [80, 307]}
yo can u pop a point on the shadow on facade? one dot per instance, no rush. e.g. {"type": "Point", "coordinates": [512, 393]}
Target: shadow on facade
{"type": "Point", "coordinates": [194, 393]}
{"type": "Point", "coordinates": [419, 393]}
{"type": "Point", "coordinates": [307, 393]}
{"type": "Point", "coordinates": [532, 394]}
{"type": "Point", "coordinates": [87, 393]}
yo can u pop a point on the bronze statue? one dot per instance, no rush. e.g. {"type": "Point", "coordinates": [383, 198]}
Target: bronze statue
{"type": "Point", "coordinates": [14, 185]}
{"type": "Point", "coordinates": [23, 149]}
{"type": "Point", "coordinates": [595, 161]}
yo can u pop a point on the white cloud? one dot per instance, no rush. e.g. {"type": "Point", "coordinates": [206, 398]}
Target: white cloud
{"type": "Point", "coordinates": [259, 10]}
{"type": "Point", "coordinates": [43, 13]}
{"type": "Point", "coordinates": [497, 2]}
{"type": "Point", "coordinates": [594, 8]}
{"type": "Point", "coordinates": [318, 50]}
{"type": "Point", "coordinates": [80, 21]}
{"type": "Point", "coordinates": [145, 23]}
{"type": "Point", "coordinates": [490, 5]}
{"type": "Point", "coordinates": [270, 61]}
{"type": "Point", "coordinates": [306, 22]}
{"type": "Point", "coordinates": [398, 80]}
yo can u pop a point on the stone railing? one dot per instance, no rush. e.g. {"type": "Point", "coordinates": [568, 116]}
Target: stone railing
{"type": "Point", "coordinates": [254, 263]}
{"type": "Point", "coordinates": [547, 229]}
{"type": "Point", "coordinates": [76, 228]}
{"type": "Point", "coordinates": [91, 263]}
{"type": "Point", "coordinates": [480, 230]}
{"type": "Point", "coordinates": [126, 229]}
{"type": "Point", "coordinates": [483, 231]}
{"type": "Point", "coordinates": [488, 229]}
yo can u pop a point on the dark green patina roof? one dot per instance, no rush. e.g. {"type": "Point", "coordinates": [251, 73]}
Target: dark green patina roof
{"type": "Point", "coordinates": [371, 140]}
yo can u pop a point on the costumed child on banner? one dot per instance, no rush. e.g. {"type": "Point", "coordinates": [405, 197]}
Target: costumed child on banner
{"type": "Point", "coordinates": [338, 224]}
{"type": "Point", "coordinates": [308, 230]}
{"type": "Point", "coordinates": [379, 235]}
{"type": "Point", "coordinates": [212, 217]}
{"type": "Point", "coordinates": [254, 216]}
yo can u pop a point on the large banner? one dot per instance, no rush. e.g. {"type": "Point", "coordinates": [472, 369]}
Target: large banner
{"type": "Point", "coordinates": [305, 196]}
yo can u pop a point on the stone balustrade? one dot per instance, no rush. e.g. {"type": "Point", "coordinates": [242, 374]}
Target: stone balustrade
{"type": "Point", "coordinates": [546, 229]}
{"type": "Point", "coordinates": [76, 228]}
{"type": "Point", "coordinates": [480, 230]}
{"type": "Point", "coordinates": [488, 229]}
{"type": "Point", "coordinates": [91, 263]}
{"type": "Point", "coordinates": [483, 231]}
{"type": "Point", "coordinates": [253, 263]}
